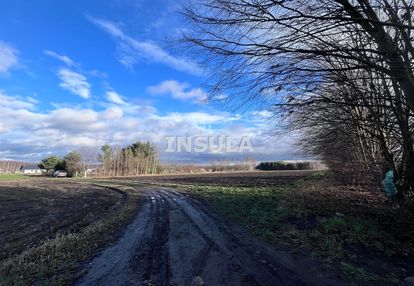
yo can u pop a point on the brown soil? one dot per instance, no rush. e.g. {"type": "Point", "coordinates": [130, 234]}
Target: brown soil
{"type": "Point", "coordinates": [31, 211]}
{"type": "Point", "coordinates": [176, 240]}
{"type": "Point", "coordinates": [240, 179]}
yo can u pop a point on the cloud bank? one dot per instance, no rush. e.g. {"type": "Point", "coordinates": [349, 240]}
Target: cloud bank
{"type": "Point", "coordinates": [26, 133]}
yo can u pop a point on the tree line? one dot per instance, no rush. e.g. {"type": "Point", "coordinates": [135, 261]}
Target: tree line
{"type": "Point", "coordinates": [337, 72]}
{"type": "Point", "coordinates": [71, 163]}
{"type": "Point", "coordinates": [7, 166]}
{"type": "Point", "coordinates": [270, 166]}
{"type": "Point", "coordinates": [135, 159]}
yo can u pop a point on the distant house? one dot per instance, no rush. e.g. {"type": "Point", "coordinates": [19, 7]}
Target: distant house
{"type": "Point", "coordinates": [31, 169]}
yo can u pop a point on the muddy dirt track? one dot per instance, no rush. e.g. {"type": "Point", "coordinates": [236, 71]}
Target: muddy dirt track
{"type": "Point", "coordinates": [177, 240]}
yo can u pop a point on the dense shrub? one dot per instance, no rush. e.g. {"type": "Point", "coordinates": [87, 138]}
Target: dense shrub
{"type": "Point", "coordinates": [280, 165]}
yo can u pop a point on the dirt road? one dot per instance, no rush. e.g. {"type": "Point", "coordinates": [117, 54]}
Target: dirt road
{"type": "Point", "coordinates": [177, 240]}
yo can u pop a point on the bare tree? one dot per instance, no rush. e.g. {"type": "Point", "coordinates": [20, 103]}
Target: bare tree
{"type": "Point", "coordinates": [7, 166]}
{"type": "Point", "coordinates": [88, 158]}
{"type": "Point", "coordinates": [135, 159]}
{"type": "Point", "coordinates": [339, 71]}
{"type": "Point", "coordinates": [269, 47]}
{"type": "Point", "coordinates": [359, 125]}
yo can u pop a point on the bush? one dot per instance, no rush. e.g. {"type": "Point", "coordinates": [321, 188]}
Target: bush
{"type": "Point", "coordinates": [280, 165]}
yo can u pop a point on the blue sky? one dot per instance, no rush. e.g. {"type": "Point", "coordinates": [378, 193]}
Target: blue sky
{"type": "Point", "coordinates": [77, 74]}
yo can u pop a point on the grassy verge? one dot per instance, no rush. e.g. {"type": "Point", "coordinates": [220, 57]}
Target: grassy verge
{"type": "Point", "coordinates": [349, 229]}
{"type": "Point", "coordinates": [12, 177]}
{"type": "Point", "coordinates": [58, 261]}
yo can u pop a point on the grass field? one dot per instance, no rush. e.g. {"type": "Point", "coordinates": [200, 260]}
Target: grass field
{"type": "Point", "coordinates": [12, 177]}
{"type": "Point", "coordinates": [354, 230]}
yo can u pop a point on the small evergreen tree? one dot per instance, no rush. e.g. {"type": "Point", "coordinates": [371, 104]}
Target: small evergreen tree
{"type": "Point", "coordinates": [49, 164]}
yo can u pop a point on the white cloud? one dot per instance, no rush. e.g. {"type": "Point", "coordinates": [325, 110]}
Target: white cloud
{"type": "Point", "coordinates": [8, 57]}
{"type": "Point", "coordinates": [74, 121]}
{"type": "Point", "coordinates": [263, 113]}
{"type": "Point", "coordinates": [133, 50]}
{"type": "Point", "coordinates": [29, 133]}
{"type": "Point", "coordinates": [16, 102]}
{"type": "Point", "coordinates": [112, 113]}
{"type": "Point", "coordinates": [114, 97]}
{"type": "Point", "coordinates": [177, 90]}
{"type": "Point", "coordinates": [74, 82]}
{"type": "Point", "coordinates": [196, 118]}
{"type": "Point", "coordinates": [65, 59]}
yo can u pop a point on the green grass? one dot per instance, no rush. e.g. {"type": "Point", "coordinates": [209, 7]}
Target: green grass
{"type": "Point", "coordinates": [358, 274]}
{"type": "Point", "coordinates": [10, 177]}
{"type": "Point", "coordinates": [266, 211]}
{"type": "Point", "coordinates": [287, 214]}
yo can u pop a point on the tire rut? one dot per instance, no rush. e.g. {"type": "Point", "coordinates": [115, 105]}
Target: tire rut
{"type": "Point", "coordinates": [158, 271]}
{"type": "Point", "coordinates": [177, 240]}
{"type": "Point", "coordinates": [236, 245]}
{"type": "Point", "coordinates": [239, 255]}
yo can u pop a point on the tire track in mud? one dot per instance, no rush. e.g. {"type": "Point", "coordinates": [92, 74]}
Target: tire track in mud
{"type": "Point", "coordinates": [199, 260]}
{"type": "Point", "coordinates": [141, 255]}
{"type": "Point", "coordinates": [111, 266]}
{"type": "Point", "coordinates": [158, 269]}
{"type": "Point", "coordinates": [177, 240]}
{"type": "Point", "coordinates": [277, 274]}
{"type": "Point", "coordinates": [219, 239]}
